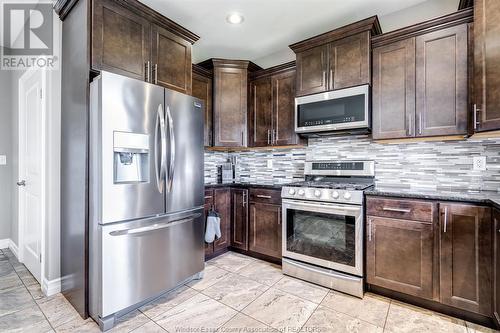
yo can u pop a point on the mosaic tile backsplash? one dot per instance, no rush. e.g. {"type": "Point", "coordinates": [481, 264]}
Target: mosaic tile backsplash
{"type": "Point", "coordinates": [443, 165]}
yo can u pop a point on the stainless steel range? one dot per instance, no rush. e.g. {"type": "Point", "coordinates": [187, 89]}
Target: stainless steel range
{"type": "Point", "coordinates": [323, 224]}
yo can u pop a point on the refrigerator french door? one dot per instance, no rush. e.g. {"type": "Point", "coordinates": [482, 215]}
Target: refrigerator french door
{"type": "Point", "coordinates": [146, 194]}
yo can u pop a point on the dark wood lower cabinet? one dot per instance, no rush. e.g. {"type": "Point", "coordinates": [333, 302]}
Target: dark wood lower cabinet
{"type": "Point", "coordinates": [222, 200]}
{"type": "Point", "coordinates": [239, 219]}
{"type": "Point", "coordinates": [399, 255]}
{"type": "Point", "coordinates": [209, 203]}
{"type": "Point", "coordinates": [265, 229]}
{"type": "Point", "coordinates": [496, 265]}
{"type": "Point", "coordinates": [465, 257]}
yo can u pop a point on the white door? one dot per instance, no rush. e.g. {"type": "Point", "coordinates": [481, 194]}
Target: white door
{"type": "Point", "coordinates": [31, 169]}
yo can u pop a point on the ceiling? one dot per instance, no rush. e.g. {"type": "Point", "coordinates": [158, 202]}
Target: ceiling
{"type": "Point", "coordinates": [271, 25]}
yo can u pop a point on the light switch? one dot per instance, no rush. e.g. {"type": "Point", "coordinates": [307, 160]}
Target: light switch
{"type": "Point", "coordinates": [3, 159]}
{"type": "Point", "coordinates": [269, 163]}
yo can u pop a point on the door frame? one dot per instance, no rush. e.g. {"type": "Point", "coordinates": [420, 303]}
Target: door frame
{"type": "Point", "coordinates": [21, 163]}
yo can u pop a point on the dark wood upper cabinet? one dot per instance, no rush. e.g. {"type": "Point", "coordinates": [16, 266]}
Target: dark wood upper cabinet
{"type": "Point", "coordinates": [230, 98]}
{"type": "Point", "coordinates": [442, 82]}
{"type": "Point", "coordinates": [202, 89]}
{"type": "Point", "coordinates": [131, 39]}
{"type": "Point", "coordinates": [349, 61]}
{"type": "Point", "coordinates": [260, 113]}
{"type": "Point", "coordinates": [336, 59]}
{"type": "Point", "coordinates": [496, 263]}
{"type": "Point", "coordinates": [420, 79]}
{"type": "Point", "coordinates": [170, 60]}
{"type": "Point", "coordinates": [487, 64]}
{"type": "Point", "coordinates": [394, 90]}
{"type": "Point", "coordinates": [239, 219]}
{"type": "Point", "coordinates": [466, 257]}
{"type": "Point", "coordinates": [121, 40]}
{"type": "Point", "coordinates": [409, 269]}
{"type": "Point", "coordinates": [265, 229]}
{"type": "Point", "coordinates": [283, 85]}
{"type": "Point", "coordinates": [222, 202]}
{"type": "Point", "coordinates": [272, 107]}
{"type": "Point", "coordinates": [312, 67]}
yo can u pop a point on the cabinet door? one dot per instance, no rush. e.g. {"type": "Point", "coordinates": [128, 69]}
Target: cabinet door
{"type": "Point", "coordinates": [239, 221]}
{"type": "Point", "coordinates": [265, 229]}
{"type": "Point", "coordinates": [409, 269]}
{"type": "Point", "coordinates": [465, 254]}
{"type": "Point", "coordinates": [202, 89]}
{"type": "Point", "coordinates": [442, 84]}
{"type": "Point", "coordinates": [487, 63]}
{"type": "Point", "coordinates": [222, 200]}
{"type": "Point", "coordinates": [312, 67]}
{"type": "Point", "coordinates": [230, 107]}
{"type": "Point", "coordinates": [349, 63]}
{"type": "Point", "coordinates": [394, 90]}
{"type": "Point", "coordinates": [260, 115]}
{"type": "Point", "coordinates": [283, 87]}
{"type": "Point", "coordinates": [120, 40]}
{"type": "Point", "coordinates": [209, 202]}
{"type": "Point", "coordinates": [171, 60]}
{"type": "Point", "coordinates": [496, 263]}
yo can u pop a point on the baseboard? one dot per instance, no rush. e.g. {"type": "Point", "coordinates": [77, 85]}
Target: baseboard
{"type": "Point", "coordinates": [51, 287]}
{"type": "Point", "coordinates": [13, 247]}
{"type": "Point", "coordinates": [4, 243]}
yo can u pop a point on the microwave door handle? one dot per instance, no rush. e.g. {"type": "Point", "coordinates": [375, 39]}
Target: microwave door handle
{"type": "Point", "coordinates": [171, 135]}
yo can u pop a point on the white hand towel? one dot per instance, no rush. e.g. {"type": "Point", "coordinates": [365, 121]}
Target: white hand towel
{"type": "Point", "coordinates": [213, 229]}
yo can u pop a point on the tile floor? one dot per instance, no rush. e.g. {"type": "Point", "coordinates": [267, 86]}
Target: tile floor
{"type": "Point", "coordinates": [237, 294]}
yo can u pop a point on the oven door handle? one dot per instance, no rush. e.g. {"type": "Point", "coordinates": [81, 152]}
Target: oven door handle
{"type": "Point", "coordinates": [312, 205]}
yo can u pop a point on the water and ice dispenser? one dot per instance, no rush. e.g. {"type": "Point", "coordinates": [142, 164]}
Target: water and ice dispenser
{"type": "Point", "coordinates": [131, 157]}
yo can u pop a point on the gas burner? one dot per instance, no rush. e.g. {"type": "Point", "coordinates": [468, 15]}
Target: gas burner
{"type": "Point", "coordinates": [333, 181]}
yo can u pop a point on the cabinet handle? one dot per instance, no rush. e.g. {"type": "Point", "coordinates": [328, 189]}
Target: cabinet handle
{"type": "Point", "coordinates": [397, 210]}
{"type": "Point", "coordinates": [268, 136]}
{"type": "Point", "coordinates": [445, 219]}
{"type": "Point", "coordinates": [408, 131]}
{"type": "Point", "coordinates": [419, 123]}
{"type": "Point", "coordinates": [156, 73]}
{"type": "Point", "coordinates": [147, 70]}
{"type": "Point", "coordinates": [331, 78]}
{"type": "Point", "coordinates": [476, 110]}
{"type": "Point", "coordinates": [244, 199]}
{"type": "Point", "coordinates": [369, 230]}
{"type": "Point", "coordinates": [263, 196]}
{"type": "Point", "coordinates": [208, 197]}
{"type": "Point", "coordinates": [273, 137]}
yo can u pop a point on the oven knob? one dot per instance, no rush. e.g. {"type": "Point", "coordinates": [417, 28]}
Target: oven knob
{"type": "Point", "coordinates": [291, 191]}
{"type": "Point", "coordinates": [317, 193]}
{"type": "Point", "coordinates": [347, 195]}
{"type": "Point", "coordinates": [335, 194]}
{"type": "Point", "coordinates": [302, 192]}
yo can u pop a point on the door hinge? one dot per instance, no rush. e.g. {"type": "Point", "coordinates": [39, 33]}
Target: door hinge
{"type": "Point", "coordinates": [41, 95]}
{"type": "Point", "coordinates": [40, 258]}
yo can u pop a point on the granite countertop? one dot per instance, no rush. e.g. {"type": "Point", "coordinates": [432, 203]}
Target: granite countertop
{"type": "Point", "coordinates": [269, 186]}
{"type": "Point", "coordinates": [484, 197]}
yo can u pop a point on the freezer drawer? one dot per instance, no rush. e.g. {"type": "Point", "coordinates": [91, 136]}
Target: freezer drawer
{"type": "Point", "coordinates": [145, 258]}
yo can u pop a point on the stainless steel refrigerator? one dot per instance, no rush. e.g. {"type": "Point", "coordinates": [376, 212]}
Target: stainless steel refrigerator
{"type": "Point", "coordinates": [146, 194]}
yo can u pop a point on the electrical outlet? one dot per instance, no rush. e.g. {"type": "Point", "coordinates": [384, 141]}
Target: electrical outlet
{"type": "Point", "coordinates": [3, 160]}
{"type": "Point", "coordinates": [479, 163]}
{"type": "Point", "coordinates": [269, 164]}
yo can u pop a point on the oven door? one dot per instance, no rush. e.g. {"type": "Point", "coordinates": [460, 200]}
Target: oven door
{"type": "Point", "coordinates": [324, 234]}
{"type": "Point", "coordinates": [333, 110]}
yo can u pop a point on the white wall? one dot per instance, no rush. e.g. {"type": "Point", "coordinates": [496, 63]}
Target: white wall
{"type": "Point", "coordinates": [6, 179]}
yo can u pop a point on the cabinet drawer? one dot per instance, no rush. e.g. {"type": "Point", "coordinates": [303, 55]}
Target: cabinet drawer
{"type": "Point", "coordinates": [401, 209]}
{"type": "Point", "coordinates": [265, 195]}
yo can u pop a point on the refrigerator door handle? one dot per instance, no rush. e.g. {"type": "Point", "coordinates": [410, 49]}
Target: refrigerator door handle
{"type": "Point", "coordinates": [160, 127]}
{"type": "Point", "coordinates": [156, 226]}
{"type": "Point", "coordinates": [172, 149]}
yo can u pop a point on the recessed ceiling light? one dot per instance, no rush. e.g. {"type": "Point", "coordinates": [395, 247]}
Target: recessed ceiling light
{"type": "Point", "coordinates": [234, 18]}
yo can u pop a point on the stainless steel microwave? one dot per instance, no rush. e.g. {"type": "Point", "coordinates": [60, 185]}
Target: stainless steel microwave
{"type": "Point", "coordinates": [340, 110]}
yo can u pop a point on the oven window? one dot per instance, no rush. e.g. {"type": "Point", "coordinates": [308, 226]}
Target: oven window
{"type": "Point", "coordinates": [323, 236]}
{"type": "Point", "coordinates": [333, 111]}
